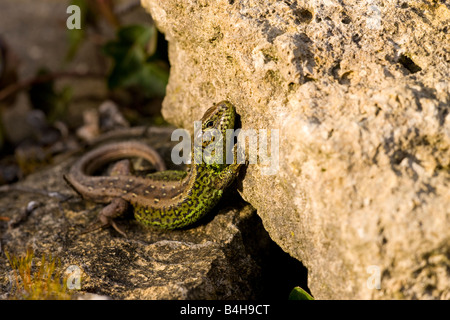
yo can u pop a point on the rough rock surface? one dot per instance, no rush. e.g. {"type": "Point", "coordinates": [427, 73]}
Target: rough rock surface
{"type": "Point", "coordinates": [223, 257]}
{"type": "Point", "coordinates": [360, 93]}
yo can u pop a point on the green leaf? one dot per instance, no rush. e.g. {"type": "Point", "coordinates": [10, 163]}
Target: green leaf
{"type": "Point", "coordinates": [133, 61]}
{"type": "Point", "coordinates": [151, 77]}
{"type": "Point", "coordinates": [299, 294]}
{"type": "Point", "coordinates": [136, 34]}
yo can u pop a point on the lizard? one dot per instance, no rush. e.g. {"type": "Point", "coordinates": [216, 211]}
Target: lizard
{"type": "Point", "coordinates": [168, 199]}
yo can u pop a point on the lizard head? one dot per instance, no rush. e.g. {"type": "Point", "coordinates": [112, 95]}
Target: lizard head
{"type": "Point", "coordinates": [219, 117]}
{"type": "Point", "coordinates": [211, 138]}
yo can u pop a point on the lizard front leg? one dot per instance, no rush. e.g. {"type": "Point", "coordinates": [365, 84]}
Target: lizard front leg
{"type": "Point", "coordinates": [226, 176]}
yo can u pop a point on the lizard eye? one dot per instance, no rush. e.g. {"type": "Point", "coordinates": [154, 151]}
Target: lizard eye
{"type": "Point", "coordinates": [209, 124]}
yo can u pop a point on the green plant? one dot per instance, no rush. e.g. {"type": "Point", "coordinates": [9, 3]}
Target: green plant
{"type": "Point", "coordinates": [299, 294]}
{"type": "Point", "coordinates": [45, 282]}
{"type": "Point", "coordinates": [135, 62]}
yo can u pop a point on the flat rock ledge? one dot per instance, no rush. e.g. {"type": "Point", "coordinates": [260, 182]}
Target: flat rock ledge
{"type": "Point", "coordinates": [359, 91]}
{"type": "Point", "coordinates": [228, 255]}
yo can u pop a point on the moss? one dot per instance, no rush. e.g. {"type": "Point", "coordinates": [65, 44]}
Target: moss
{"type": "Point", "coordinates": [269, 55]}
{"type": "Point", "coordinates": [273, 77]}
{"type": "Point", "coordinates": [217, 37]}
{"type": "Point", "coordinates": [37, 283]}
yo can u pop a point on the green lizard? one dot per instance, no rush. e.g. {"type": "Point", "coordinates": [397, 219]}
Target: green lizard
{"type": "Point", "coordinates": [166, 199]}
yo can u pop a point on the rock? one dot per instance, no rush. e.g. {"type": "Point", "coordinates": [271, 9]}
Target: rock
{"type": "Point", "coordinates": [359, 92]}
{"type": "Point", "coordinates": [227, 255]}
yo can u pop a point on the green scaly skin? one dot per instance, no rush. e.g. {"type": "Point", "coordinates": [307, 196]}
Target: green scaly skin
{"type": "Point", "coordinates": [167, 199]}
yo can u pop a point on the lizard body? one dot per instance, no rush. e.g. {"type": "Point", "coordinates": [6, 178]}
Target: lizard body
{"type": "Point", "coordinates": [166, 199]}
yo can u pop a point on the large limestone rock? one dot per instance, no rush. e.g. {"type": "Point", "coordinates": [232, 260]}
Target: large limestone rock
{"type": "Point", "coordinates": [360, 94]}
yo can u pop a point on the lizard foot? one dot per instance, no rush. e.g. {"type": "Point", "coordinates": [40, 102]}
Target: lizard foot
{"type": "Point", "coordinates": [105, 217]}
